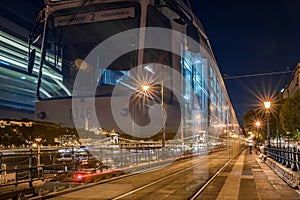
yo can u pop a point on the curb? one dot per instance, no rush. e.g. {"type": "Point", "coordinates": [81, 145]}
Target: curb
{"type": "Point", "coordinates": [292, 178]}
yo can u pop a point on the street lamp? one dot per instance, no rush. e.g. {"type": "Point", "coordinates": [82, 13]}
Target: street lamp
{"type": "Point", "coordinates": [267, 106]}
{"type": "Point", "coordinates": [257, 126]}
{"type": "Point", "coordinates": [163, 113]}
{"type": "Point", "coordinates": [146, 88]}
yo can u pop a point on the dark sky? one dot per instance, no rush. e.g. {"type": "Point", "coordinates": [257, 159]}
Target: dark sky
{"type": "Point", "coordinates": [252, 37]}
{"type": "Point", "coordinates": [247, 37]}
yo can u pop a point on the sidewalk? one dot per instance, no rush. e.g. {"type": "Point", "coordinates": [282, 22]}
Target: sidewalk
{"type": "Point", "coordinates": [247, 177]}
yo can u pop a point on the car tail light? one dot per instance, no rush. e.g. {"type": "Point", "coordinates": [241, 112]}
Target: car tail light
{"type": "Point", "coordinates": [79, 177]}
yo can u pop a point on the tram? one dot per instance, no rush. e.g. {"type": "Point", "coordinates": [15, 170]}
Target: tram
{"type": "Point", "coordinates": [144, 68]}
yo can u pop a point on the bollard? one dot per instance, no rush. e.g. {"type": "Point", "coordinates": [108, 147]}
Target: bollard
{"type": "Point", "coordinates": [16, 175]}
{"type": "Point", "coordinates": [283, 156]}
{"type": "Point", "coordinates": [30, 169]}
{"type": "Point", "coordinates": [40, 192]}
{"type": "Point", "coordinates": [273, 153]}
{"type": "Point", "coordinates": [294, 165]}
{"type": "Point", "coordinates": [279, 155]}
{"type": "Point", "coordinates": [3, 173]}
{"type": "Point", "coordinates": [288, 163]}
{"type": "Point", "coordinates": [55, 188]}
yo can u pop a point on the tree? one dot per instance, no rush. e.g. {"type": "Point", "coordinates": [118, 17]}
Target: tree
{"type": "Point", "coordinates": [253, 116]}
{"type": "Point", "coordinates": [296, 110]}
{"type": "Point", "coordinates": [286, 115]}
{"type": "Point", "coordinates": [276, 130]}
{"type": "Point", "coordinates": [250, 119]}
{"type": "Point", "coordinates": [290, 114]}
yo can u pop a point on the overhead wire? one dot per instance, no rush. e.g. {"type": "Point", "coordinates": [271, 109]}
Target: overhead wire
{"type": "Point", "coordinates": [226, 76]}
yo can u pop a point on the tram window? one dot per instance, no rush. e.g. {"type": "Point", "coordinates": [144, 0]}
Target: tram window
{"type": "Point", "coordinates": [68, 45]}
{"type": "Point", "coordinates": [193, 33]}
{"type": "Point", "coordinates": [156, 19]}
{"type": "Point", "coordinates": [112, 77]}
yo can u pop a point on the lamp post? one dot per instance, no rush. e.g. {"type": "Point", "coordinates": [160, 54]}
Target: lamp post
{"type": "Point", "coordinates": [146, 88]}
{"type": "Point", "coordinates": [163, 112]}
{"type": "Point", "coordinates": [257, 126]}
{"type": "Point", "coordinates": [267, 106]}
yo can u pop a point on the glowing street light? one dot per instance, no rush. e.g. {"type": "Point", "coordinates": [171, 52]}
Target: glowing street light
{"type": "Point", "coordinates": [145, 87]}
{"type": "Point", "coordinates": [267, 106]}
{"type": "Point", "coordinates": [257, 124]}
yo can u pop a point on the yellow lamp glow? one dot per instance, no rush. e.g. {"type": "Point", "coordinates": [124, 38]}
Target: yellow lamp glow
{"type": "Point", "coordinates": [267, 104]}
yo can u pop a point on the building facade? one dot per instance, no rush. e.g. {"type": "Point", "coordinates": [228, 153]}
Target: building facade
{"type": "Point", "coordinates": [294, 84]}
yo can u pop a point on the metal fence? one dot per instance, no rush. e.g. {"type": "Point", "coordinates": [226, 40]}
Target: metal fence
{"type": "Point", "coordinates": [288, 157]}
{"type": "Point", "coordinates": [22, 168]}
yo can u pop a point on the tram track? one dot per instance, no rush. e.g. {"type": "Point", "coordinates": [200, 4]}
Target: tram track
{"type": "Point", "coordinates": [150, 184]}
{"type": "Point", "coordinates": [201, 189]}
{"type": "Point", "coordinates": [185, 175]}
{"type": "Point", "coordinates": [169, 177]}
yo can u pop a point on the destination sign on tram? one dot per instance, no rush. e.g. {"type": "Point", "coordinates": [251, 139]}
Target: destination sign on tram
{"type": "Point", "coordinates": [90, 17]}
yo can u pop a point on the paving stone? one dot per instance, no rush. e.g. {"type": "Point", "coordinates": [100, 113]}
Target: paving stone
{"type": "Point", "coordinates": [247, 177]}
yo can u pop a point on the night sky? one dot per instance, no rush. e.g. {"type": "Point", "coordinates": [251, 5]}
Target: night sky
{"type": "Point", "coordinates": [252, 37]}
{"type": "Point", "coordinates": [248, 37]}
